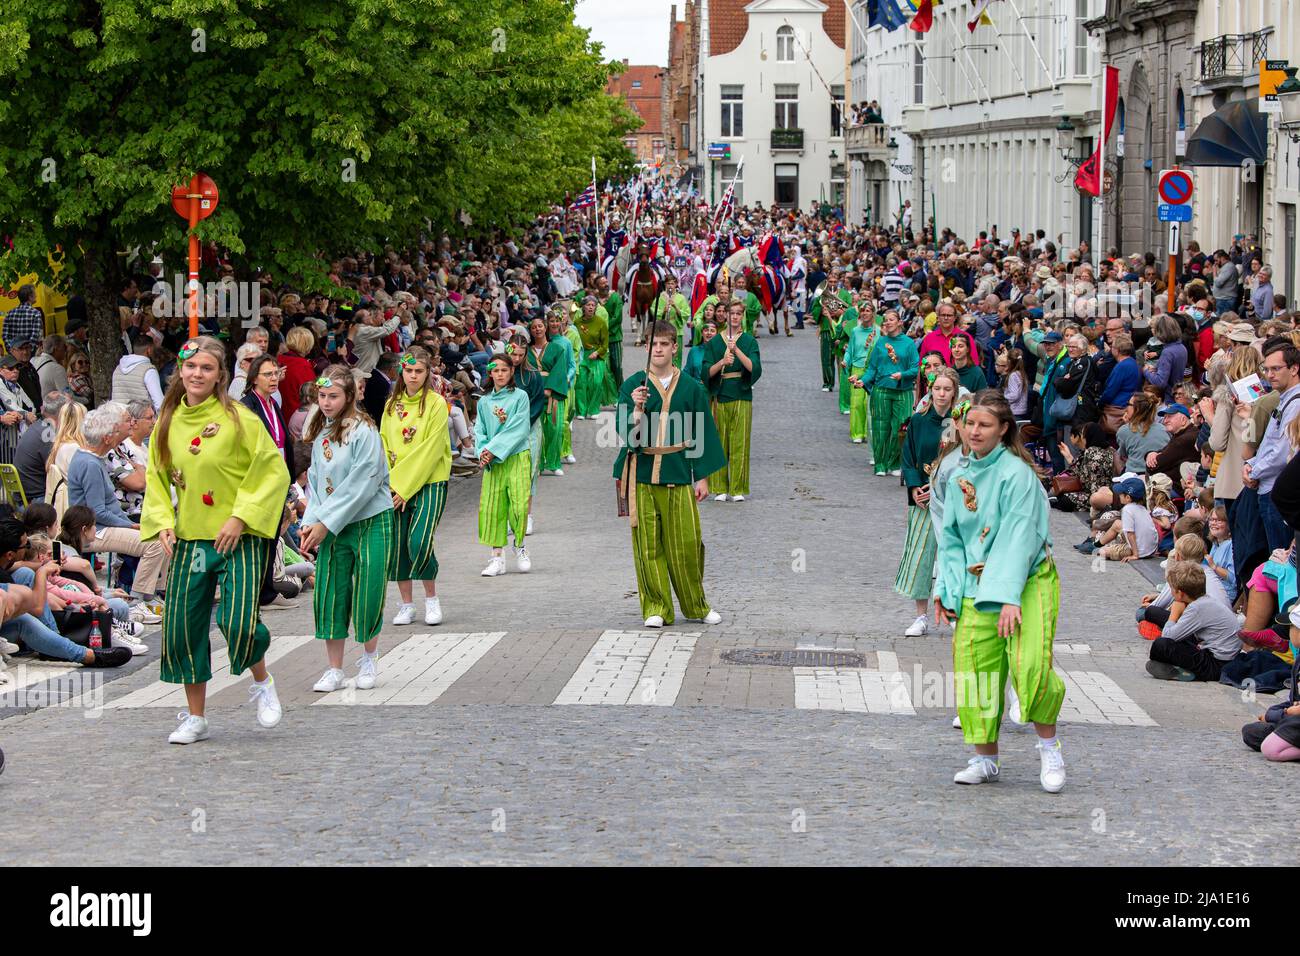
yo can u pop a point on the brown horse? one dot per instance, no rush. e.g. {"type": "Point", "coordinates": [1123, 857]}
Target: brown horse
{"type": "Point", "coordinates": [645, 289]}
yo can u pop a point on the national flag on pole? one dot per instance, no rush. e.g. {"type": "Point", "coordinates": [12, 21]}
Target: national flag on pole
{"type": "Point", "coordinates": [586, 198]}
{"type": "Point", "coordinates": [981, 15]}
{"type": "Point", "coordinates": [1088, 178]}
{"type": "Point", "coordinates": [924, 18]}
{"type": "Point", "coordinates": [885, 13]}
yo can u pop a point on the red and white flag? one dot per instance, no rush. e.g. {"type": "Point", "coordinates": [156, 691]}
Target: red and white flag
{"type": "Point", "coordinates": [1088, 178]}
{"type": "Point", "coordinates": [981, 8]}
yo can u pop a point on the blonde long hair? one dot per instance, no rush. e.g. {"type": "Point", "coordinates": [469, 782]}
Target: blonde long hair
{"type": "Point", "coordinates": [341, 376]}
{"type": "Point", "coordinates": [176, 394]}
{"type": "Point", "coordinates": [67, 429]}
{"type": "Point", "coordinates": [422, 357]}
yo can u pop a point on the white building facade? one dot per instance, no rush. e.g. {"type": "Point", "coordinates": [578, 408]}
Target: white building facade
{"type": "Point", "coordinates": [982, 110]}
{"type": "Point", "coordinates": [880, 64]}
{"type": "Point", "coordinates": [769, 76]}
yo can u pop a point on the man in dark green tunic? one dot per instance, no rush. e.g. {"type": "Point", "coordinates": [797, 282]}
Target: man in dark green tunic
{"type": "Point", "coordinates": [662, 469]}
{"type": "Point", "coordinates": [733, 365]}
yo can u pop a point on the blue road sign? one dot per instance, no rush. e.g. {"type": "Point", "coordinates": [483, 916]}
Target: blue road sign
{"type": "Point", "coordinates": [1179, 213]}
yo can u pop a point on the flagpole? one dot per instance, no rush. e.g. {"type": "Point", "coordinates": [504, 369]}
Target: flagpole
{"type": "Point", "coordinates": [595, 207]}
{"type": "Point", "coordinates": [717, 215]}
{"type": "Point", "coordinates": [1101, 169]}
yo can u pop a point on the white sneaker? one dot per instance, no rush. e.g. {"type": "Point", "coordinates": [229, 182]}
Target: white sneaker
{"type": "Point", "coordinates": [367, 670]}
{"type": "Point", "coordinates": [570, 460]}
{"type": "Point", "coordinates": [713, 617]}
{"type": "Point", "coordinates": [529, 529]}
{"type": "Point", "coordinates": [918, 627]}
{"type": "Point", "coordinates": [330, 681]}
{"type": "Point", "coordinates": [191, 729]}
{"type": "Point", "coordinates": [737, 497]}
{"type": "Point", "coordinates": [269, 711]}
{"type": "Point", "coordinates": [405, 614]}
{"type": "Point", "coordinates": [956, 723]}
{"type": "Point", "coordinates": [872, 462]}
{"type": "Point", "coordinates": [1011, 714]}
{"type": "Point", "coordinates": [857, 441]}
{"type": "Point", "coordinates": [496, 566]}
{"type": "Point", "coordinates": [558, 473]}
{"type": "Point", "coordinates": [720, 498]}
{"type": "Point", "coordinates": [826, 388]}
{"type": "Point", "coordinates": [432, 611]}
{"type": "Point", "coordinates": [523, 563]}
{"type": "Point", "coordinates": [128, 627]}
{"type": "Point", "coordinates": [1052, 774]}
{"type": "Point", "coordinates": [8, 647]}
{"type": "Point", "coordinates": [978, 770]}
{"type": "Point", "coordinates": [469, 454]}
{"type": "Point", "coordinates": [279, 603]}
{"type": "Point", "coordinates": [142, 614]}
{"type": "Point", "coordinates": [131, 643]}
{"type": "Point", "coordinates": [897, 473]}
{"type": "Point", "coordinates": [654, 620]}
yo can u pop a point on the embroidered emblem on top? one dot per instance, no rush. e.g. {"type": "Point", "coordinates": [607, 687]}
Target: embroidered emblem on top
{"type": "Point", "coordinates": [968, 492]}
{"type": "Point", "coordinates": [207, 498]}
{"type": "Point", "coordinates": [326, 450]}
{"type": "Point", "coordinates": [392, 459]}
{"type": "Point", "coordinates": [195, 445]}
{"type": "Point", "coordinates": [210, 429]}
{"type": "Point", "coordinates": [178, 478]}
{"type": "Point", "coordinates": [500, 413]}
{"type": "Point", "coordinates": [984, 534]}
{"type": "Point", "coordinates": [329, 486]}
{"type": "Point", "coordinates": [408, 434]}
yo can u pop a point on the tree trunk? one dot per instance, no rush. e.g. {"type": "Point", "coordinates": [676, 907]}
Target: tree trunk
{"type": "Point", "coordinates": [105, 342]}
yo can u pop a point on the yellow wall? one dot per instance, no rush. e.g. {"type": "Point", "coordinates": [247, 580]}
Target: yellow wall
{"type": "Point", "coordinates": [54, 304]}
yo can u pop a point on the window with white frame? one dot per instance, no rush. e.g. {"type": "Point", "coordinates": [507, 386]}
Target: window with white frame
{"type": "Point", "coordinates": [787, 105]}
{"type": "Point", "coordinates": [918, 73]}
{"type": "Point", "coordinates": [733, 110]}
{"type": "Point", "coordinates": [785, 45]}
{"type": "Point", "coordinates": [837, 108]}
{"type": "Point", "coordinates": [1080, 38]}
{"type": "Point", "coordinates": [726, 172]}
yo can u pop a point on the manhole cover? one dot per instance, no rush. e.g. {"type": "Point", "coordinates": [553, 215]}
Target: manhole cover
{"type": "Point", "coordinates": [749, 655]}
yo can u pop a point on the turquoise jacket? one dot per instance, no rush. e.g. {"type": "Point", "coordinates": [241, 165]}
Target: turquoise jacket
{"type": "Point", "coordinates": [347, 482]}
{"type": "Point", "coordinates": [995, 515]}
{"type": "Point", "coordinates": [502, 425]}
{"type": "Point", "coordinates": [859, 348]}
{"type": "Point", "coordinates": [880, 366]}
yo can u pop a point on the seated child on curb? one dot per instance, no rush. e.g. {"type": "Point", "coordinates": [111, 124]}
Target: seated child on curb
{"type": "Point", "coordinates": [1197, 642]}
{"type": "Point", "coordinates": [1133, 534]}
{"type": "Point", "coordinates": [70, 591]}
{"type": "Point", "coordinates": [1276, 733]}
{"type": "Point", "coordinates": [1157, 609]}
{"type": "Point", "coordinates": [1220, 557]}
{"type": "Point", "coordinates": [1163, 511]}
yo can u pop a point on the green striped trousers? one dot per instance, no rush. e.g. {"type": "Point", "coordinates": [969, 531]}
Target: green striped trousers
{"type": "Point", "coordinates": [503, 500]}
{"type": "Point", "coordinates": [411, 556]}
{"type": "Point", "coordinates": [195, 571]}
{"type": "Point", "coordinates": [734, 421]}
{"type": "Point", "coordinates": [352, 579]}
{"type": "Point", "coordinates": [668, 551]}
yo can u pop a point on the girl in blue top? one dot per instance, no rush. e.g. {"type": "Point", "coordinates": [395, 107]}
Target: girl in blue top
{"type": "Point", "coordinates": [349, 518]}
{"type": "Point", "coordinates": [501, 436]}
{"type": "Point", "coordinates": [998, 582]}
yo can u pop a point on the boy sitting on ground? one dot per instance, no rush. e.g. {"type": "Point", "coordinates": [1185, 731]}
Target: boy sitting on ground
{"type": "Point", "coordinates": [1157, 609]}
{"type": "Point", "coordinates": [1199, 640]}
{"type": "Point", "coordinates": [1133, 534]}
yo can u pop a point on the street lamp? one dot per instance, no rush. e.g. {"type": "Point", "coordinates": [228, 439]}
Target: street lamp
{"type": "Point", "coordinates": [1288, 97]}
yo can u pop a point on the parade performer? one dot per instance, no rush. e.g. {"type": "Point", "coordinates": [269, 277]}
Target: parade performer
{"type": "Point", "coordinates": [414, 433]}
{"type": "Point", "coordinates": [501, 437]}
{"type": "Point", "coordinates": [534, 387]}
{"type": "Point", "coordinates": [593, 337]}
{"type": "Point", "coordinates": [921, 446]}
{"type": "Point", "coordinates": [613, 305]}
{"type": "Point", "coordinates": [797, 275]}
{"type": "Point", "coordinates": [826, 328]}
{"type": "Point", "coordinates": [569, 333]}
{"type": "Point", "coordinates": [671, 306]}
{"type": "Point", "coordinates": [891, 370]}
{"type": "Point", "coordinates": [998, 582]}
{"type": "Point", "coordinates": [695, 367]}
{"type": "Point", "coordinates": [550, 358]}
{"type": "Point", "coordinates": [843, 325]}
{"type": "Point", "coordinates": [732, 361]}
{"type": "Point", "coordinates": [349, 518]}
{"type": "Point", "coordinates": [753, 304]}
{"type": "Point", "coordinates": [669, 446]}
{"type": "Point", "coordinates": [862, 336]}
{"type": "Point", "coordinates": [230, 483]}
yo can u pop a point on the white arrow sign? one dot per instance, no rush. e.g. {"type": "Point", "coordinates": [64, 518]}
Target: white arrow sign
{"type": "Point", "coordinates": [1174, 245]}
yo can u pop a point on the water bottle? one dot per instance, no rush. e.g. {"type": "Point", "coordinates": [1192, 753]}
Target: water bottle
{"type": "Point", "coordinates": [96, 640]}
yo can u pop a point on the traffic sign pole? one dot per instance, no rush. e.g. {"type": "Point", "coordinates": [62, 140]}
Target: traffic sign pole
{"type": "Point", "coordinates": [193, 309]}
{"type": "Point", "coordinates": [1172, 280]}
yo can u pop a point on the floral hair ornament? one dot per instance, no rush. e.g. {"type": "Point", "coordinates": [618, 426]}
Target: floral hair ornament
{"type": "Point", "coordinates": [324, 382]}
{"type": "Point", "coordinates": [510, 349]}
{"type": "Point", "coordinates": [494, 364]}
{"type": "Point", "coordinates": [962, 408]}
{"type": "Point", "coordinates": [188, 350]}
{"type": "Point", "coordinates": [408, 360]}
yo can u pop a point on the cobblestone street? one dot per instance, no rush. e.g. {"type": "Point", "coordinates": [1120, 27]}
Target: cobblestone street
{"type": "Point", "coordinates": [540, 724]}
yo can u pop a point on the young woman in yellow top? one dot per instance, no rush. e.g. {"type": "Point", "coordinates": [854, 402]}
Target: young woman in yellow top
{"type": "Point", "coordinates": [230, 483]}
{"type": "Point", "coordinates": [416, 443]}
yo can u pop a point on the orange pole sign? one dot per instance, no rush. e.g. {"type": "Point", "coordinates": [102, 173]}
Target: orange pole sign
{"type": "Point", "coordinates": [192, 203]}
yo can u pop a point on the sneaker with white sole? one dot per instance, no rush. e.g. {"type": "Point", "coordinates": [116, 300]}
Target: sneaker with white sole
{"type": "Point", "coordinates": [558, 473]}
{"type": "Point", "coordinates": [141, 614]}
{"type": "Point", "coordinates": [978, 770]}
{"type": "Point", "coordinates": [857, 441]}
{"type": "Point", "coordinates": [720, 498]}
{"type": "Point", "coordinates": [269, 711]}
{"type": "Point", "coordinates": [896, 473]}
{"type": "Point", "coordinates": [367, 671]}
{"type": "Point", "coordinates": [529, 530]}
{"type": "Point", "coordinates": [130, 642]}
{"type": "Point", "coordinates": [330, 681]}
{"type": "Point", "coordinates": [654, 620]}
{"type": "Point", "coordinates": [918, 627]}
{"type": "Point", "coordinates": [523, 563]}
{"type": "Point", "coordinates": [1052, 773]}
{"type": "Point", "coordinates": [1011, 714]}
{"type": "Point", "coordinates": [8, 647]}
{"type": "Point", "coordinates": [713, 617]}
{"type": "Point", "coordinates": [405, 614]}
{"type": "Point", "coordinates": [496, 566]}
{"type": "Point", "coordinates": [956, 723]}
{"type": "Point", "coordinates": [570, 460]}
{"type": "Point", "coordinates": [432, 611]}
{"type": "Point", "coordinates": [128, 627]}
{"type": "Point", "coordinates": [737, 497]}
{"type": "Point", "coordinates": [192, 729]}
{"type": "Point", "coordinates": [279, 603]}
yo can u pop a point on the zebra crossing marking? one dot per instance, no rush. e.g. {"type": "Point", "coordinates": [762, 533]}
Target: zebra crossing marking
{"type": "Point", "coordinates": [419, 670]}
{"type": "Point", "coordinates": [163, 694]}
{"type": "Point", "coordinates": [631, 668]}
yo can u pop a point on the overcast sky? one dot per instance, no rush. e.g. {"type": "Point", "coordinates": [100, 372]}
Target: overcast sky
{"type": "Point", "coordinates": [636, 31]}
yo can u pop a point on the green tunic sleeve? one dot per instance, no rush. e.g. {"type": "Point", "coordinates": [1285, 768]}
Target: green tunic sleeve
{"type": "Point", "coordinates": [555, 366]}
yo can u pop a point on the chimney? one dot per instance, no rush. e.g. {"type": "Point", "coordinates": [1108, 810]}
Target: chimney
{"type": "Point", "coordinates": [672, 16]}
{"type": "Point", "coordinates": [625, 61]}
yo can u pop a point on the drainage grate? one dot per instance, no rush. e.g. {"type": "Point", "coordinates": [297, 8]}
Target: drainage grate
{"type": "Point", "coordinates": [751, 655]}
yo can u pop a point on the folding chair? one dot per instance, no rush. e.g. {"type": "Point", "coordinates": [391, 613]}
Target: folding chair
{"type": "Point", "coordinates": [13, 485]}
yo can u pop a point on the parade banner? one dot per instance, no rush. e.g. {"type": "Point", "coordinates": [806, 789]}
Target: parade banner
{"type": "Point", "coordinates": [1088, 178]}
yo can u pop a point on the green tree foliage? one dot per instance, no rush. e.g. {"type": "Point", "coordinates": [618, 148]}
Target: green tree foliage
{"type": "Point", "coordinates": [326, 124]}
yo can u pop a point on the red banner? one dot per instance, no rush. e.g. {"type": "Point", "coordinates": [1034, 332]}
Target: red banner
{"type": "Point", "coordinates": [1088, 178]}
{"type": "Point", "coordinates": [924, 18]}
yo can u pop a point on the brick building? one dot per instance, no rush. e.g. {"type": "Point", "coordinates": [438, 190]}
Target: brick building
{"type": "Point", "coordinates": [642, 88]}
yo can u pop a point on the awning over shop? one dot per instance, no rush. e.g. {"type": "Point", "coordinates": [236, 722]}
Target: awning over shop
{"type": "Point", "coordinates": [1229, 136]}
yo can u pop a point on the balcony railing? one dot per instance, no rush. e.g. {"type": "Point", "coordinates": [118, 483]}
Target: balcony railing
{"type": "Point", "coordinates": [1233, 55]}
{"type": "Point", "coordinates": [871, 138]}
{"type": "Point", "coordinates": [787, 139]}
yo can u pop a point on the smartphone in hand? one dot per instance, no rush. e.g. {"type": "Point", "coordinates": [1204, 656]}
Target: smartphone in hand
{"type": "Point", "coordinates": [58, 552]}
